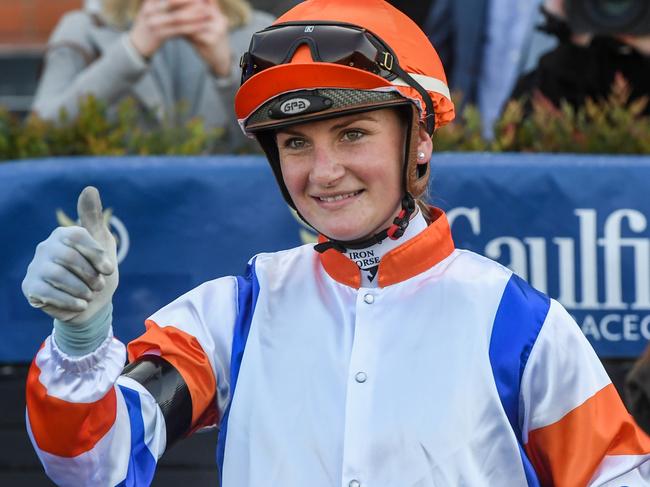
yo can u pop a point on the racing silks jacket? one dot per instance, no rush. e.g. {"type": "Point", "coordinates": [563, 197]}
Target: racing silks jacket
{"type": "Point", "coordinates": [453, 371]}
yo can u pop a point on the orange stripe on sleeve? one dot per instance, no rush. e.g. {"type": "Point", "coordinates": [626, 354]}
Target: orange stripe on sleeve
{"type": "Point", "coordinates": [185, 353]}
{"type": "Point", "coordinates": [568, 452]}
{"type": "Point", "coordinates": [63, 428]}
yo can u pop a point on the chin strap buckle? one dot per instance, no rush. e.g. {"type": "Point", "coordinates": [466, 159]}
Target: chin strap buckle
{"type": "Point", "coordinates": [401, 221]}
{"type": "Point", "coordinates": [397, 229]}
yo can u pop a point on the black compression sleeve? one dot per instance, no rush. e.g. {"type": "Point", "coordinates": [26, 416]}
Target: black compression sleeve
{"type": "Point", "coordinates": [168, 388]}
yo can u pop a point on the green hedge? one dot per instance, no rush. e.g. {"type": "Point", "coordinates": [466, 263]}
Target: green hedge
{"type": "Point", "coordinates": [611, 126]}
{"type": "Point", "coordinates": [92, 133]}
{"type": "Point", "coordinates": [614, 125]}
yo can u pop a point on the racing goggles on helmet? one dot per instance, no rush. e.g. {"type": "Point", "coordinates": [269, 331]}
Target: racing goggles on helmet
{"type": "Point", "coordinates": [336, 43]}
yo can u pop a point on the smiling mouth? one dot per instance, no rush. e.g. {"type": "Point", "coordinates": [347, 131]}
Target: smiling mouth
{"type": "Point", "coordinates": [338, 197]}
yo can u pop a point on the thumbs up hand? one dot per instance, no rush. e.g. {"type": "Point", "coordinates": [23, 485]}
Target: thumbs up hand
{"type": "Point", "coordinates": [74, 271]}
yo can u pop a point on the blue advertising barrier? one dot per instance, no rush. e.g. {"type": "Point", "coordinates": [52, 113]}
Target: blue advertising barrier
{"type": "Point", "coordinates": [575, 226]}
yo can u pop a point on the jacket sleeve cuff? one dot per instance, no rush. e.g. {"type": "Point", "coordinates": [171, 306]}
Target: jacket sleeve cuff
{"type": "Point", "coordinates": [111, 354]}
{"type": "Point", "coordinates": [82, 339]}
{"type": "Point", "coordinates": [137, 60]}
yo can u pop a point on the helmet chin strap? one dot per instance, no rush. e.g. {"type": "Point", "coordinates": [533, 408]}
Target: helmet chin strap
{"type": "Point", "coordinates": [395, 231]}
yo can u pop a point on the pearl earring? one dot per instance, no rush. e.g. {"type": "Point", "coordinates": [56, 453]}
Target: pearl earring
{"type": "Point", "coordinates": [421, 156]}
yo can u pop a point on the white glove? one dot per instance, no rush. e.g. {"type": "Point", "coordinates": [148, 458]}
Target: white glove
{"type": "Point", "coordinates": [74, 274]}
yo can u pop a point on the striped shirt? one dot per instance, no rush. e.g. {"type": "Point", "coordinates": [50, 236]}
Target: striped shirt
{"type": "Point", "coordinates": [452, 371]}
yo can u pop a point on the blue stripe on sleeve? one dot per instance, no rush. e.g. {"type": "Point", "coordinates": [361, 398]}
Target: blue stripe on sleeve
{"type": "Point", "coordinates": [517, 324]}
{"type": "Point", "coordinates": [142, 464]}
{"type": "Point", "coordinates": [248, 289]}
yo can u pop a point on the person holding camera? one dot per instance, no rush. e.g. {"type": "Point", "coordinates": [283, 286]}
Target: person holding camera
{"type": "Point", "coordinates": [177, 58]}
{"type": "Point", "coordinates": [598, 40]}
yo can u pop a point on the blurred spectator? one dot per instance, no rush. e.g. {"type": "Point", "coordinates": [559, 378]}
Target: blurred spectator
{"type": "Point", "coordinates": [507, 53]}
{"type": "Point", "coordinates": [417, 11]}
{"type": "Point", "coordinates": [485, 46]}
{"type": "Point", "coordinates": [160, 52]}
{"type": "Point", "coordinates": [459, 38]}
{"type": "Point", "coordinates": [585, 65]}
{"type": "Point", "coordinates": [94, 6]}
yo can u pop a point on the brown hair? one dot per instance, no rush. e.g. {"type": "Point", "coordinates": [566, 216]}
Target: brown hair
{"type": "Point", "coordinates": [120, 13]}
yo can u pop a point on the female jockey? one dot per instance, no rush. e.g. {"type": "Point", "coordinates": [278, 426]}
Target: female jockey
{"type": "Point", "coordinates": [381, 357]}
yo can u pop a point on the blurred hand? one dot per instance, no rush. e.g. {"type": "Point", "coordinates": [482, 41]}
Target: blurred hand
{"type": "Point", "coordinates": [74, 271]}
{"type": "Point", "coordinates": [640, 43]}
{"type": "Point", "coordinates": [159, 20]}
{"type": "Point", "coordinates": [211, 40]}
{"type": "Point", "coordinates": [555, 7]}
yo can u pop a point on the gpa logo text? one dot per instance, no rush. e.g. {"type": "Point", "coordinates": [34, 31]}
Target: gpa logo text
{"type": "Point", "coordinates": [294, 106]}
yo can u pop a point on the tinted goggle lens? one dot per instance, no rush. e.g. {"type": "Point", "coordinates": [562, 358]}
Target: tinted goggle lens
{"type": "Point", "coordinates": [336, 44]}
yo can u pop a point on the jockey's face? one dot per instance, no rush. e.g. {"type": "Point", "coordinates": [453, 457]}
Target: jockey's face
{"type": "Point", "coordinates": [344, 174]}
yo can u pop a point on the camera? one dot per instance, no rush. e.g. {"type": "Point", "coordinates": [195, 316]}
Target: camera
{"type": "Point", "coordinates": [609, 16]}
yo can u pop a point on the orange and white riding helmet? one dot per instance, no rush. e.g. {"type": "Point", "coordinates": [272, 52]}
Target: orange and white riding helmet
{"type": "Point", "coordinates": [337, 44]}
{"type": "Point", "coordinates": [326, 58]}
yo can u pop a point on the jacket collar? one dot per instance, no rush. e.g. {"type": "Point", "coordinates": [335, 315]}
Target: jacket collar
{"type": "Point", "coordinates": [413, 257]}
